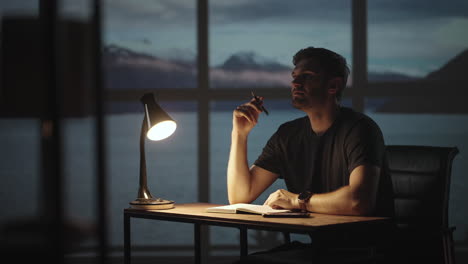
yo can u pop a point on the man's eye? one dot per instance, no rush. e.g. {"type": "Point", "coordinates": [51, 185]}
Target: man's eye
{"type": "Point", "coordinates": [308, 75]}
{"type": "Point", "coordinates": [303, 76]}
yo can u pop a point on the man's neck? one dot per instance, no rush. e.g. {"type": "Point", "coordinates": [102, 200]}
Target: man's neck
{"type": "Point", "coordinates": [322, 117]}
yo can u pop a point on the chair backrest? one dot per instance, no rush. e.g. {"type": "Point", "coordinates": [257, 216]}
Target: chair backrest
{"type": "Point", "coordinates": [421, 184]}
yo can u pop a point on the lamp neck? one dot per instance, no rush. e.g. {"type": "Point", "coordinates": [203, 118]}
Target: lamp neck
{"type": "Point", "coordinates": [143, 191]}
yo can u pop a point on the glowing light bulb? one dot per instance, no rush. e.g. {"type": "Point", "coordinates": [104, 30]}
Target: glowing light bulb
{"type": "Point", "coordinates": [162, 130]}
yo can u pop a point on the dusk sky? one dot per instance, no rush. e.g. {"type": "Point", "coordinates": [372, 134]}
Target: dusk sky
{"type": "Point", "coordinates": [411, 37]}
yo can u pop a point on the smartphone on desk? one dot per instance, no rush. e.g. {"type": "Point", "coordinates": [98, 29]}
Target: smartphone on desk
{"type": "Point", "coordinates": [288, 214]}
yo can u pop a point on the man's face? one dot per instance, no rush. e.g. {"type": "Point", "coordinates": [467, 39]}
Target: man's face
{"type": "Point", "coordinates": [307, 87]}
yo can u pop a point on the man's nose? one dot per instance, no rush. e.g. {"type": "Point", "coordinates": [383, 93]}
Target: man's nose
{"type": "Point", "coordinates": [295, 83]}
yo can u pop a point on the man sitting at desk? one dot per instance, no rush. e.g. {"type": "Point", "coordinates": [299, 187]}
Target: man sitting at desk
{"type": "Point", "coordinates": [332, 160]}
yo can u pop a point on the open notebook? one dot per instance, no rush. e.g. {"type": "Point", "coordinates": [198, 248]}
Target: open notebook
{"type": "Point", "coordinates": [264, 210]}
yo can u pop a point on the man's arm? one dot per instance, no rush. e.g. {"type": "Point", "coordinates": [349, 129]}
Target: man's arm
{"type": "Point", "coordinates": [357, 198]}
{"type": "Point", "coordinates": [245, 184]}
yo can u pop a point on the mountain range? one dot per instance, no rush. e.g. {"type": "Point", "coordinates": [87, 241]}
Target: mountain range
{"type": "Point", "coordinates": [455, 102]}
{"type": "Point", "coordinates": [127, 69]}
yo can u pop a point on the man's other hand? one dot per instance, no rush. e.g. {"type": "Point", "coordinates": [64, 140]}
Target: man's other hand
{"type": "Point", "coordinates": [283, 199]}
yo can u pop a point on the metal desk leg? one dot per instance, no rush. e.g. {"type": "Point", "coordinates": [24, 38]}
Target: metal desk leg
{"type": "Point", "coordinates": [197, 238]}
{"type": "Point", "coordinates": [243, 242]}
{"type": "Point", "coordinates": [202, 243]}
{"type": "Point", "coordinates": [127, 246]}
{"type": "Point", "coordinates": [287, 237]}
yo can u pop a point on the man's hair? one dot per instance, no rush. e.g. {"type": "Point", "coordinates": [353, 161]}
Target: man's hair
{"type": "Point", "coordinates": [331, 64]}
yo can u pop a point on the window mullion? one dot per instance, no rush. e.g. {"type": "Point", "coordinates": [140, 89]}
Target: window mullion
{"type": "Point", "coordinates": [359, 42]}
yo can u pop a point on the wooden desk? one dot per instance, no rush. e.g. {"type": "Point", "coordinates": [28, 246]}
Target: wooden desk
{"type": "Point", "coordinates": [195, 213]}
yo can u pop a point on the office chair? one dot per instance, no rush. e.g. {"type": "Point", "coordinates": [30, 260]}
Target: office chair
{"type": "Point", "coordinates": [421, 186]}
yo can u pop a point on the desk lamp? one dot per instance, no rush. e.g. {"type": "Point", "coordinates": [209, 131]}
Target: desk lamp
{"type": "Point", "coordinates": [157, 125]}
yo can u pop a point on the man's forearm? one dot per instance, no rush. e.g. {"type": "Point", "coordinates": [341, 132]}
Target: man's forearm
{"type": "Point", "coordinates": [343, 201]}
{"type": "Point", "coordinates": [238, 172]}
{"type": "Point", "coordinates": [357, 198]}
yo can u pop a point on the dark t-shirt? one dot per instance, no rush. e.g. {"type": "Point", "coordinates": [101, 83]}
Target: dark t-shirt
{"type": "Point", "coordinates": [323, 163]}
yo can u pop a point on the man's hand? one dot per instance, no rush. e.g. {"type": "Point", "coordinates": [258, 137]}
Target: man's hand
{"type": "Point", "coordinates": [282, 199]}
{"type": "Point", "coordinates": [245, 116]}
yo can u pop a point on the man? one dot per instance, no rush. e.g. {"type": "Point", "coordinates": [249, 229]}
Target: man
{"type": "Point", "coordinates": [332, 160]}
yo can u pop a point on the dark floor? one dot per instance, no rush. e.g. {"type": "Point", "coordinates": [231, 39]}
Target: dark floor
{"type": "Point", "coordinates": [145, 257]}
{"type": "Point", "coordinates": [461, 258]}
{"type": "Point", "coordinates": [153, 260]}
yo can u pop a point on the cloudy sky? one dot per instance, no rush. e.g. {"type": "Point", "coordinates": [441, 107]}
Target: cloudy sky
{"type": "Point", "coordinates": [412, 37]}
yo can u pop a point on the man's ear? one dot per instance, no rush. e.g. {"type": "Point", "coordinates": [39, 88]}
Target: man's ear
{"type": "Point", "coordinates": [334, 85]}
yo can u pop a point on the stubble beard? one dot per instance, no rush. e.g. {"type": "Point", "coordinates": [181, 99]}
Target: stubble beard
{"type": "Point", "coordinates": [308, 101]}
{"type": "Point", "coordinates": [300, 103]}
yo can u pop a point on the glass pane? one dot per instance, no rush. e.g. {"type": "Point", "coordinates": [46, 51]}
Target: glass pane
{"type": "Point", "coordinates": [150, 44]}
{"type": "Point", "coordinates": [76, 9]}
{"type": "Point", "coordinates": [252, 43]}
{"type": "Point", "coordinates": [22, 221]}
{"type": "Point", "coordinates": [68, 8]}
{"type": "Point", "coordinates": [20, 142]}
{"type": "Point", "coordinates": [80, 180]}
{"type": "Point", "coordinates": [434, 130]}
{"type": "Point", "coordinates": [12, 7]}
{"type": "Point", "coordinates": [417, 40]}
{"type": "Point", "coordinates": [21, 189]}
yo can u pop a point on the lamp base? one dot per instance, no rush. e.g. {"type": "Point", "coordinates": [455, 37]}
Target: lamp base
{"type": "Point", "coordinates": [152, 204]}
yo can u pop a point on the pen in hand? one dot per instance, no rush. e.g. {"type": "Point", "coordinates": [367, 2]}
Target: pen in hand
{"type": "Point", "coordinates": [257, 100]}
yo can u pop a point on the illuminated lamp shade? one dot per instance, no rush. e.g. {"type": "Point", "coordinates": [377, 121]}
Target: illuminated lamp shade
{"type": "Point", "coordinates": [162, 130]}
{"type": "Point", "coordinates": [157, 125]}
